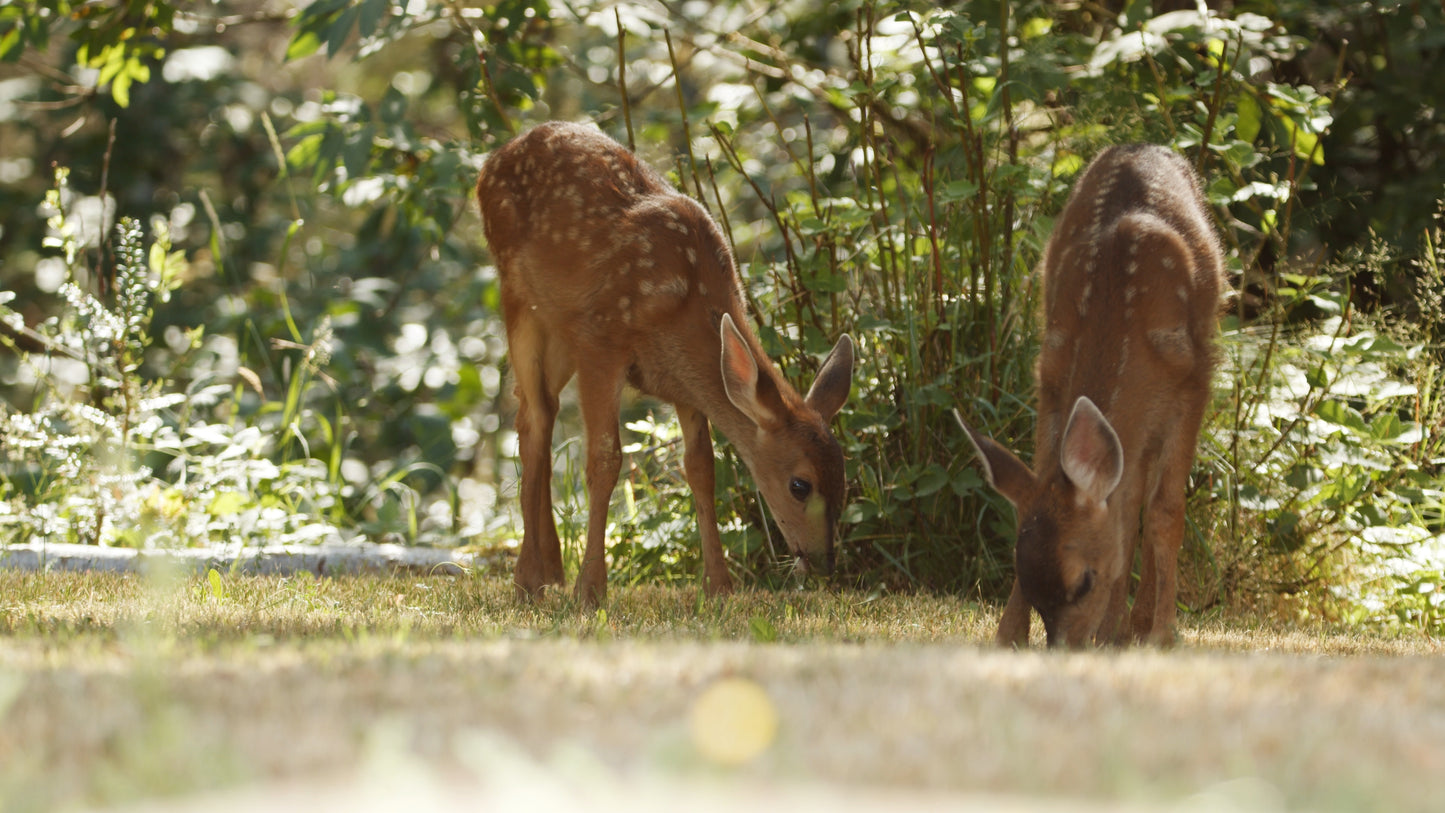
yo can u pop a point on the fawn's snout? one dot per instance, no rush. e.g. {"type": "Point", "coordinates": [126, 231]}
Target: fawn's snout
{"type": "Point", "coordinates": [806, 504]}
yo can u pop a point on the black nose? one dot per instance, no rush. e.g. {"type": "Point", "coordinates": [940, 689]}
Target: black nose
{"type": "Point", "coordinates": [822, 565]}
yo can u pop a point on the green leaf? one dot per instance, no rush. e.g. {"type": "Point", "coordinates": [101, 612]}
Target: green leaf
{"type": "Point", "coordinates": [393, 107]}
{"type": "Point", "coordinates": [1305, 144]}
{"type": "Point", "coordinates": [967, 481]}
{"type": "Point", "coordinates": [1035, 27]}
{"type": "Point", "coordinates": [1328, 302]}
{"type": "Point", "coordinates": [824, 283]}
{"type": "Point", "coordinates": [1387, 426]}
{"type": "Point", "coordinates": [10, 43]}
{"type": "Point", "coordinates": [762, 629]}
{"type": "Point", "coordinates": [1216, 48]}
{"type": "Point", "coordinates": [356, 156]}
{"type": "Point", "coordinates": [304, 44]}
{"type": "Point", "coordinates": [1336, 412]}
{"type": "Point", "coordinates": [341, 30]}
{"type": "Point", "coordinates": [933, 479]}
{"type": "Point", "coordinates": [957, 190]}
{"type": "Point", "coordinates": [305, 152]}
{"type": "Point", "coordinates": [226, 503]}
{"type": "Point", "coordinates": [372, 11]}
{"type": "Point", "coordinates": [120, 90]}
{"type": "Point", "coordinates": [1067, 164]}
{"type": "Point", "coordinates": [218, 589]}
{"type": "Point", "coordinates": [1247, 123]}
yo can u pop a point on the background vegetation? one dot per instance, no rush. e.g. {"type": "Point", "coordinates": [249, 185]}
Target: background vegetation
{"type": "Point", "coordinates": [245, 298]}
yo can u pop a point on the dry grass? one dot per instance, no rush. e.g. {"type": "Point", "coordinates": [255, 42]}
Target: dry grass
{"type": "Point", "coordinates": [377, 693]}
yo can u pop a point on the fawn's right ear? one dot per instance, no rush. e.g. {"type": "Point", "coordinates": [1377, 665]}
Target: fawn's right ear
{"type": "Point", "coordinates": [1001, 468]}
{"type": "Point", "coordinates": [835, 378]}
{"type": "Point", "coordinates": [1090, 452]}
{"type": "Point", "coordinates": [740, 375]}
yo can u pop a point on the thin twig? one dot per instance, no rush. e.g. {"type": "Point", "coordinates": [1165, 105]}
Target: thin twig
{"type": "Point", "coordinates": [622, 77]}
{"type": "Point", "coordinates": [106, 283]}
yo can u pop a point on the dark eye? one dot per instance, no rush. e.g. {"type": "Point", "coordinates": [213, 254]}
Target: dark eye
{"type": "Point", "coordinates": [799, 488]}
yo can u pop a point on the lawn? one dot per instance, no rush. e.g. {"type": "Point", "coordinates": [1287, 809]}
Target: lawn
{"type": "Point", "coordinates": [295, 692]}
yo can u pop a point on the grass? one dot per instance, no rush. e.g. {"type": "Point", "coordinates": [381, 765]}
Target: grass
{"type": "Point", "coordinates": [447, 691]}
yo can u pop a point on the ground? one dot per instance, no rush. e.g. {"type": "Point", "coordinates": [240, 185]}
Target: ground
{"type": "Point", "coordinates": [373, 693]}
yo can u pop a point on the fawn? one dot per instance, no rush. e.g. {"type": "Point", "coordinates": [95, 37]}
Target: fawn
{"type": "Point", "coordinates": [1132, 280]}
{"type": "Point", "coordinates": [607, 272]}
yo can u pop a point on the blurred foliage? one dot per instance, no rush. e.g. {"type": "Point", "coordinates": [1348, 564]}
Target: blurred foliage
{"type": "Point", "coordinates": [887, 169]}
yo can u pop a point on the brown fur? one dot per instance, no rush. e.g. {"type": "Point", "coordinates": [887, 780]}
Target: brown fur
{"type": "Point", "coordinates": [1132, 280]}
{"type": "Point", "coordinates": [608, 273]}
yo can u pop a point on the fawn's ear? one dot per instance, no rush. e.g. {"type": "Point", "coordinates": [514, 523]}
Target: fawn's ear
{"type": "Point", "coordinates": [1090, 452]}
{"type": "Point", "coordinates": [835, 378]}
{"type": "Point", "coordinates": [740, 375]}
{"type": "Point", "coordinates": [1001, 468]}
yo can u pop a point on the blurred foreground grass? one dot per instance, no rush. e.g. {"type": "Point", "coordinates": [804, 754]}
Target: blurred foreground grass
{"type": "Point", "coordinates": [381, 693]}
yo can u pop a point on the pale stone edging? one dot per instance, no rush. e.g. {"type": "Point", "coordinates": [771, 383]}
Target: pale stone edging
{"type": "Point", "coordinates": [328, 559]}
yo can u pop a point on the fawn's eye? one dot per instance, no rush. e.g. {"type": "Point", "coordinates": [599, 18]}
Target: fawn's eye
{"type": "Point", "coordinates": [799, 488]}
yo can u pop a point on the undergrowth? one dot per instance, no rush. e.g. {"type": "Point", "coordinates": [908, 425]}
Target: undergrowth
{"type": "Point", "coordinates": [109, 454]}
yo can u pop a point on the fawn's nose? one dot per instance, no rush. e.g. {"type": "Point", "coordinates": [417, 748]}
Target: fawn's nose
{"type": "Point", "coordinates": [816, 563]}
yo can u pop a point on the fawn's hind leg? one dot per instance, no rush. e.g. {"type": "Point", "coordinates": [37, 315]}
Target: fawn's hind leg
{"type": "Point", "coordinates": [599, 389]}
{"type": "Point", "coordinates": [541, 368]}
{"type": "Point", "coordinates": [1154, 612]}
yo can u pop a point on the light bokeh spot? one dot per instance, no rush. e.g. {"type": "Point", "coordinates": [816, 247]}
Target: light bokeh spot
{"type": "Point", "coordinates": [733, 721]}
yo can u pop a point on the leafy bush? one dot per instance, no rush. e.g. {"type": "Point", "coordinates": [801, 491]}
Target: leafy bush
{"type": "Point", "coordinates": [107, 456]}
{"type": "Point", "coordinates": [1334, 500]}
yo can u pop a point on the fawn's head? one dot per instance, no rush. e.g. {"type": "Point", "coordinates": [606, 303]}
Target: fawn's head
{"type": "Point", "coordinates": [795, 460]}
{"type": "Point", "coordinates": [1070, 550]}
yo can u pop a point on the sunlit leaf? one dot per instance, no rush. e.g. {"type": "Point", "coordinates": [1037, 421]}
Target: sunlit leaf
{"type": "Point", "coordinates": [1248, 118]}
{"type": "Point", "coordinates": [10, 45]}
{"type": "Point", "coordinates": [762, 629]}
{"type": "Point", "coordinates": [1067, 164]}
{"type": "Point", "coordinates": [304, 44]}
{"type": "Point", "coordinates": [305, 152]}
{"type": "Point", "coordinates": [1035, 27]}
{"type": "Point", "coordinates": [226, 503]}
{"type": "Point", "coordinates": [1336, 412]}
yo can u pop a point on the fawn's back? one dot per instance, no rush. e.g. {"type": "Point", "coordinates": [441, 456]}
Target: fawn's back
{"type": "Point", "coordinates": [602, 250]}
{"type": "Point", "coordinates": [1132, 279]}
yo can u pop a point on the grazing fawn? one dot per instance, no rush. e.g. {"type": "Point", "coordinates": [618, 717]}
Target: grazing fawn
{"type": "Point", "coordinates": [1132, 280]}
{"type": "Point", "coordinates": [608, 273]}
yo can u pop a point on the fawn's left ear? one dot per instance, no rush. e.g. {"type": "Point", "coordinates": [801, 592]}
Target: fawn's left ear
{"type": "Point", "coordinates": [740, 376]}
{"type": "Point", "coordinates": [830, 389]}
